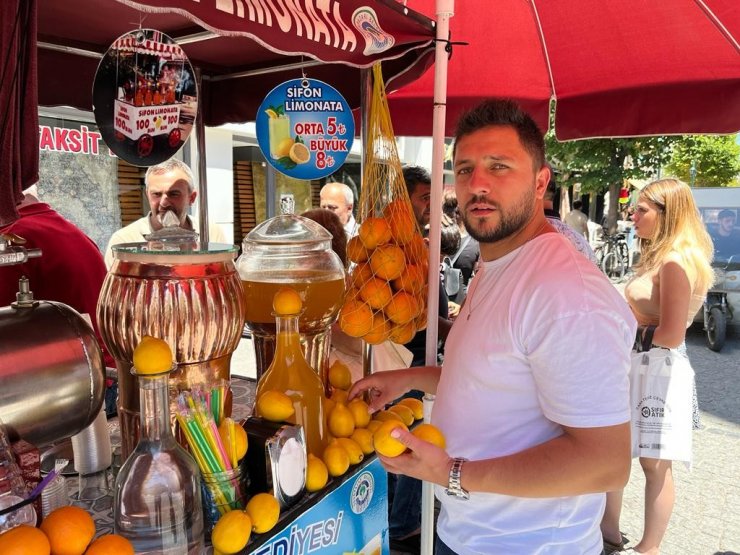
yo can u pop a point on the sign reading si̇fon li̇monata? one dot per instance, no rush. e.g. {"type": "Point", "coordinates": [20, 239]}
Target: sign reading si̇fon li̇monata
{"type": "Point", "coordinates": [305, 129]}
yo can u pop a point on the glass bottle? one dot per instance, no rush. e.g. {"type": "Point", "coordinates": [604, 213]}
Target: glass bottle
{"type": "Point", "coordinates": [290, 373]}
{"type": "Point", "coordinates": [157, 504]}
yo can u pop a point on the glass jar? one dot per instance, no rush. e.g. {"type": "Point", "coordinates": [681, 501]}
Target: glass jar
{"type": "Point", "coordinates": [290, 250]}
{"type": "Point", "coordinates": [223, 492]}
{"type": "Point", "coordinates": [157, 504]}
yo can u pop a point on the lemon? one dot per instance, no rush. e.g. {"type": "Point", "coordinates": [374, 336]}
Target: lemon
{"type": "Point", "coordinates": [383, 442]}
{"type": "Point", "coordinates": [364, 438]}
{"type": "Point", "coordinates": [385, 415]}
{"type": "Point", "coordinates": [275, 406]}
{"type": "Point", "coordinates": [283, 148]}
{"type": "Point", "coordinates": [406, 414]}
{"type": "Point", "coordinates": [336, 459]}
{"type": "Point", "coordinates": [316, 473]}
{"type": "Point", "coordinates": [360, 412]}
{"type": "Point", "coordinates": [231, 533]}
{"type": "Point", "coordinates": [341, 423]}
{"type": "Point", "coordinates": [287, 302]}
{"type": "Point", "coordinates": [299, 153]}
{"type": "Point", "coordinates": [374, 425]}
{"type": "Point", "coordinates": [416, 406]}
{"type": "Point", "coordinates": [340, 376]}
{"type": "Point", "coordinates": [431, 434]}
{"type": "Point", "coordinates": [353, 449]}
{"type": "Point", "coordinates": [339, 396]}
{"type": "Point", "coordinates": [240, 437]}
{"type": "Point", "coordinates": [272, 114]}
{"type": "Point", "coordinates": [152, 356]}
{"type": "Point", "coordinates": [264, 510]}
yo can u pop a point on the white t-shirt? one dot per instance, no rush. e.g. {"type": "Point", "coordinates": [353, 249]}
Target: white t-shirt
{"type": "Point", "coordinates": [547, 345]}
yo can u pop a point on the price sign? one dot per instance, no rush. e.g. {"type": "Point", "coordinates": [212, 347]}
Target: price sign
{"type": "Point", "coordinates": [305, 129]}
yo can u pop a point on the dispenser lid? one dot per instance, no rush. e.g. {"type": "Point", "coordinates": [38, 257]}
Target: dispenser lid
{"type": "Point", "coordinates": [164, 252]}
{"type": "Point", "coordinates": [288, 229]}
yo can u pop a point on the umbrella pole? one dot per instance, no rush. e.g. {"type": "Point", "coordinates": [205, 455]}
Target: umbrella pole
{"type": "Point", "coordinates": [445, 9]}
{"type": "Point", "coordinates": [202, 185]}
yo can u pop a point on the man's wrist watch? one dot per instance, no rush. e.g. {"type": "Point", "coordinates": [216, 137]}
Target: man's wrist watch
{"type": "Point", "coordinates": [454, 485]}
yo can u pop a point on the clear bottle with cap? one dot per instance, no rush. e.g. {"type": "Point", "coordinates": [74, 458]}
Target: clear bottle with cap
{"type": "Point", "coordinates": [157, 504]}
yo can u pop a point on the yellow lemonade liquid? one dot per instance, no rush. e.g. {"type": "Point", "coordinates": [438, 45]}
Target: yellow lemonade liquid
{"type": "Point", "coordinates": [290, 373]}
{"type": "Point", "coordinates": [278, 129]}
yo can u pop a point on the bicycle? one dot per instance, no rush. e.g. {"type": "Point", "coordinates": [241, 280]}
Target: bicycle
{"type": "Point", "coordinates": [612, 256]}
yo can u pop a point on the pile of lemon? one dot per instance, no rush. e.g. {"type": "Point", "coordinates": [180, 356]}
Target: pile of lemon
{"type": "Point", "coordinates": [387, 292]}
{"type": "Point", "coordinates": [232, 532]}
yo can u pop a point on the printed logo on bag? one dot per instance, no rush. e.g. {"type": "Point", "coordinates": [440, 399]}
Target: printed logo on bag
{"type": "Point", "coordinates": [376, 40]}
{"type": "Point", "coordinates": [362, 493]}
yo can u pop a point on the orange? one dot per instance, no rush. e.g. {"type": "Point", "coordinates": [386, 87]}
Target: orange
{"type": "Point", "coordinates": [402, 334]}
{"type": "Point", "coordinates": [361, 274]}
{"type": "Point", "coordinates": [383, 442]}
{"type": "Point", "coordinates": [402, 221]}
{"type": "Point", "coordinates": [356, 251]}
{"type": "Point", "coordinates": [411, 279]}
{"type": "Point", "coordinates": [69, 530]}
{"type": "Point", "coordinates": [110, 544]}
{"type": "Point", "coordinates": [402, 308]}
{"type": "Point", "coordinates": [379, 331]}
{"type": "Point", "coordinates": [287, 302]}
{"type": "Point", "coordinates": [376, 292]}
{"type": "Point", "coordinates": [24, 540]}
{"type": "Point", "coordinates": [355, 318]}
{"type": "Point", "coordinates": [388, 262]}
{"type": "Point", "coordinates": [416, 250]}
{"type": "Point", "coordinates": [431, 434]}
{"type": "Point", "coordinates": [374, 232]}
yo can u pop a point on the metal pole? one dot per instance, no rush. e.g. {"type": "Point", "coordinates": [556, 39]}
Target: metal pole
{"type": "Point", "coordinates": [445, 9]}
{"type": "Point", "coordinates": [366, 92]}
{"type": "Point", "coordinates": [200, 142]}
{"type": "Point", "coordinates": [270, 175]}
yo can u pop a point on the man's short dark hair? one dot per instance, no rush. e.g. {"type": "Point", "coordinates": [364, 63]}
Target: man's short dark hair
{"type": "Point", "coordinates": [413, 175]}
{"type": "Point", "coordinates": [726, 214]}
{"type": "Point", "coordinates": [577, 204]}
{"type": "Point", "coordinates": [505, 113]}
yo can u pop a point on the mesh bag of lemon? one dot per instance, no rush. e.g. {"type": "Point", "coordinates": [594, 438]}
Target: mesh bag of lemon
{"type": "Point", "coordinates": [387, 291]}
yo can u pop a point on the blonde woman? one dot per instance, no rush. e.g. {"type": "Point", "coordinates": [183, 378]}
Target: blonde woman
{"type": "Point", "coordinates": [671, 281]}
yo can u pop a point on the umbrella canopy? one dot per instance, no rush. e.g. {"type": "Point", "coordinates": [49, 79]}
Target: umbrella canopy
{"type": "Point", "coordinates": [237, 45]}
{"type": "Point", "coordinates": [615, 67]}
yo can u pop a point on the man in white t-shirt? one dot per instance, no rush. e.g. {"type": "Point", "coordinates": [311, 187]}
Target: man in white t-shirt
{"type": "Point", "coordinates": [533, 396]}
{"type": "Point", "coordinates": [340, 199]}
{"type": "Point", "coordinates": [170, 191]}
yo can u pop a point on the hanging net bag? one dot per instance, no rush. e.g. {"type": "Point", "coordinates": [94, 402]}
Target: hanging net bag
{"type": "Point", "coordinates": [387, 291]}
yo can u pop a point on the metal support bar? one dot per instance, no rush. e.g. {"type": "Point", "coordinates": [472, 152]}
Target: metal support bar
{"type": "Point", "coordinates": [200, 143]}
{"type": "Point", "coordinates": [366, 92]}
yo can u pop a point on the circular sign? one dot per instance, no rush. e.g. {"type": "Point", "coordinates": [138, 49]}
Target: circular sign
{"type": "Point", "coordinates": [305, 128]}
{"type": "Point", "coordinates": [145, 97]}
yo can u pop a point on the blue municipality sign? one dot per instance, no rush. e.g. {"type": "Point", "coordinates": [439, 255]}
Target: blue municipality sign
{"type": "Point", "coordinates": [305, 129]}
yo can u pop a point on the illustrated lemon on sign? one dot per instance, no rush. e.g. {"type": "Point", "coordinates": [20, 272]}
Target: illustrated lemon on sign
{"type": "Point", "coordinates": [284, 146]}
{"type": "Point", "coordinates": [231, 533]}
{"type": "Point", "coordinates": [152, 356]}
{"type": "Point", "coordinates": [272, 114]}
{"type": "Point", "coordinates": [299, 153]}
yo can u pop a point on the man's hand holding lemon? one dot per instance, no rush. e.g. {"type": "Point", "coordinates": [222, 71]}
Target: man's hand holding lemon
{"type": "Point", "coordinates": [422, 459]}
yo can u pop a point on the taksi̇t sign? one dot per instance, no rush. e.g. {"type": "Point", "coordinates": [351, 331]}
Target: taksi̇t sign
{"type": "Point", "coordinates": [305, 129]}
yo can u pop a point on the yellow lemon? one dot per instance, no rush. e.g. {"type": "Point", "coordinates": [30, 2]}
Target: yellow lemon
{"type": "Point", "coordinates": [283, 148]}
{"type": "Point", "coordinates": [385, 415]}
{"type": "Point", "coordinates": [416, 406]}
{"type": "Point", "coordinates": [353, 449]}
{"type": "Point", "coordinates": [339, 396]}
{"type": "Point", "coordinates": [404, 412]}
{"type": "Point", "coordinates": [316, 473]}
{"type": "Point", "coordinates": [431, 434]}
{"type": "Point", "coordinates": [336, 459]}
{"type": "Point", "coordinates": [152, 356]}
{"type": "Point", "coordinates": [383, 442]}
{"type": "Point", "coordinates": [340, 376]}
{"type": "Point", "coordinates": [287, 302]}
{"type": "Point", "coordinates": [360, 412]}
{"type": "Point", "coordinates": [299, 153]}
{"type": "Point", "coordinates": [264, 510]}
{"type": "Point", "coordinates": [275, 406]}
{"type": "Point", "coordinates": [231, 533]}
{"type": "Point", "coordinates": [272, 114]}
{"type": "Point", "coordinates": [373, 425]}
{"type": "Point", "coordinates": [240, 437]}
{"type": "Point", "coordinates": [341, 423]}
{"type": "Point", "coordinates": [364, 438]}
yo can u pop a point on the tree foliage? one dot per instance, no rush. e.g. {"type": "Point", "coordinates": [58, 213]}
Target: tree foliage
{"type": "Point", "coordinates": [715, 158]}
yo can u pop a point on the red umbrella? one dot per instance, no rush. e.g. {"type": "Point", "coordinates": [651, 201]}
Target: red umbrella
{"type": "Point", "coordinates": [19, 122]}
{"type": "Point", "coordinates": [615, 67]}
{"type": "Point", "coordinates": [237, 45]}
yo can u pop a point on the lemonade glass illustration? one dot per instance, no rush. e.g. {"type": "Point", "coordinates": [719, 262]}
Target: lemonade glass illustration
{"type": "Point", "coordinates": [278, 130]}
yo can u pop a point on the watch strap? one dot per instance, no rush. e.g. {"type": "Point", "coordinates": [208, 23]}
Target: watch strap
{"type": "Point", "coordinates": [454, 485]}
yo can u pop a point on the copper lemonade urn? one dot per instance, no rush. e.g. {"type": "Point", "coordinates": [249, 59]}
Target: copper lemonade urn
{"type": "Point", "coordinates": [189, 296]}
